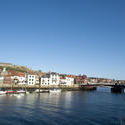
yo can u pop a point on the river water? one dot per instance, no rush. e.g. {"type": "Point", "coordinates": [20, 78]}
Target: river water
{"type": "Point", "coordinates": [100, 107]}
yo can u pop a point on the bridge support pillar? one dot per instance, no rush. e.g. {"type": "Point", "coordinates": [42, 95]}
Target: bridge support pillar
{"type": "Point", "coordinates": [117, 90]}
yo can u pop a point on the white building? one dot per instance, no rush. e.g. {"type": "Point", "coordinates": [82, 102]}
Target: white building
{"type": "Point", "coordinates": [50, 79]}
{"type": "Point", "coordinates": [1, 79]}
{"type": "Point", "coordinates": [18, 77]}
{"type": "Point", "coordinates": [31, 79]}
{"type": "Point", "coordinates": [66, 81]}
{"type": "Point", "coordinates": [4, 72]}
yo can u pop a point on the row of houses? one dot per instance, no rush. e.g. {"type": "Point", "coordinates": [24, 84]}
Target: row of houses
{"type": "Point", "coordinates": [51, 78]}
{"type": "Point", "coordinates": [99, 80]}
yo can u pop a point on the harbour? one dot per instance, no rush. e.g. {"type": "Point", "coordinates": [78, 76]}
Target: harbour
{"type": "Point", "coordinates": [70, 107]}
{"type": "Point", "coordinates": [62, 62]}
{"type": "Point", "coordinates": [17, 89]}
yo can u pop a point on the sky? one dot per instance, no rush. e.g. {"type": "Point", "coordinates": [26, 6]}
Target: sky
{"type": "Point", "coordinates": [65, 36]}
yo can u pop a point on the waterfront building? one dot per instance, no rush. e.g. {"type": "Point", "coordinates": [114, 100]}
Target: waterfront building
{"type": "Point", "coordinates": [50, 79]}
{"type": "Point", "coordinates": [92, 80]}
{"type": "Point", "coordinates": [1, 79]}
{"type": "Point", "coordinates": [81, 79]}
{"type": "Point", "coordinates": [99, 80]}
{"type": "Point", "coordinates": [66, 80]}
{"type": "Point", "coordinates": [18, 77]}
{"type": "Point", "coordinates": [31, 79]}
{"type": "Point", "coordinates": [2, 74]}
{"type": "Point", "coordinates": [5, 77]}
{"type": "Point", "coordinates": [120, 81]}
{"type": "Point", "coordinates": [37, 79]}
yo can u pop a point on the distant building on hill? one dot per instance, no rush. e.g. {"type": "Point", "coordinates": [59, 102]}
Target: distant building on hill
{"type": "Point", "coordinates": [4, 72]}
{"type": "Point", "coordinates": [92, 80]}
{"type": "Point", "coordinates": [99, 80]}
{"type": "Point", "coordinates": [5, 64]}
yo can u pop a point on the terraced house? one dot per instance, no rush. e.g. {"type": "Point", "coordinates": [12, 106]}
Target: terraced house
{"type": "Point", "coordinates": [66, 80]}
{"type": "Point", "coordinates": [50, 79]}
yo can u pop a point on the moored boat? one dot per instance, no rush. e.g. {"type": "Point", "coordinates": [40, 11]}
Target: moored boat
{"type": "Point", "coordinates": [37, 90]}
{"type": "Point", "coordinates": [55, 90]}
{"type": "Point", "coordinates": [21, 91]}
{"type": "Point", "coordinates": [88, 87]}
{"type": "Point", "coordinates": [41, 91]}
{"type": "Point", "coordinates": [10, 92]}
{"type": "Point", "coordinates": [2, 92]}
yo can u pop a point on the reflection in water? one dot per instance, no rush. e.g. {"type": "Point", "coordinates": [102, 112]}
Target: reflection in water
{"type": "Point", "coordinates": [68, 99]}
{"type": "Point", "coordinates": [104, 89]}
{"type": "Point", "coordinates": [99, 107]}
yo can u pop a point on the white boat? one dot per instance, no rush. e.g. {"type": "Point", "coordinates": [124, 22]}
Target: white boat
{"type": "Point", "coordinates": [21, 91]}
{"type": "Point", "coordinates": [55, 90]}
{"type": "Point", "coordinates": [41, 91]}
{"type": "Point", "coordinates": [2, 92]}
{"type": "Point", "coordinates": [37, 90]}
{"type": "Point", "coordinates": [27, 92]}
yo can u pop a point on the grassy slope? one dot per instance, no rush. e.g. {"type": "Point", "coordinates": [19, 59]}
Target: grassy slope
{"type": "Point", "coordinates": [18, 69]}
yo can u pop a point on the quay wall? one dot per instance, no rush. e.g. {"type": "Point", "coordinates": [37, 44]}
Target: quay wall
{"type": "Point", "coordinates": [33, 87]}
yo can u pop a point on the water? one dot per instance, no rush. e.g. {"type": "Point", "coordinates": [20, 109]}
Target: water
{"type": "Point", "coordinates": [98, 107]}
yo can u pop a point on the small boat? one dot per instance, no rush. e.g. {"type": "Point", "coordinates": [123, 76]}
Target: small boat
{"type": "Point", "coordinates": [41, 91]}
{"type": "Point", "coordinates": [10, 92]}
{"type": "Point", "coordinates": [2, 92]}
{"type": "Point", "coordinates": [88, 87]}
{"type": "Point", "coordinates": [37, 90]}
{"type": "Point", "coordinates": [27, 92]}
{"type": "Point", "coordinates": [55, 90]}
{"type": "Point", "coordinates": [21, 91]}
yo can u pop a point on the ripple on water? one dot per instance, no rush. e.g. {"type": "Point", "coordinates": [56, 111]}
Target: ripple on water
{"type": "Point", "coordinates": [67, 108]}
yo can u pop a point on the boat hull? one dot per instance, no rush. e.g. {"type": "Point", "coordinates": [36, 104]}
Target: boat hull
{"type": "Point", "coordinates": [2, 92]}
{"type": "Point", "coordinates": [55, 91]}
{"type": "Point", "coordinates": [11, 92]}
{"type": "Point", "coordinates": [88, 87]}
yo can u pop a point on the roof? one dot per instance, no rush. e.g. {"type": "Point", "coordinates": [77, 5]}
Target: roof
{"type": "Point", "coordinates": [14, 73]}
{"type": "Point", "coordinates": [70, 76]}
{"type": "Point", "coordinates": [62, 77]}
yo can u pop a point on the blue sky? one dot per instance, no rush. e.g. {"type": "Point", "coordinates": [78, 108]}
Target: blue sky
{"type": "Point", "coordinates": [66, 36]}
